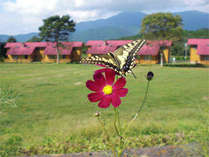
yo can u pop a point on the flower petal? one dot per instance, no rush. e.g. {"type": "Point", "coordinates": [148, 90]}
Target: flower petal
{"type": "Point", "coordinates": [92, 85]}
{"type": "Point", "coordinates": [116, 100]}
{"type": "Point", "coordinates": [105, 102]}
{"type": "Point", "coordinates": [99, 80]}
{"type": "Point", "coordinates": [98, 76]}
{"type": "Point", "coordinates": [121, 92]}
{"type": "Point", "coordinates": [110, 76]}
{"type": "Point", "coordinates": [121, 82]}
{"type": "Point", "coordinates": [100, 65]}
{"type": "Point", "coordinates": [94, 97]}
{"type": "Point", "coordinates": [100, 71]}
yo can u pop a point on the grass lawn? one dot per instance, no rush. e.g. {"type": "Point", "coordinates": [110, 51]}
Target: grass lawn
{"type": "Point", "coordinates": [45, 108]}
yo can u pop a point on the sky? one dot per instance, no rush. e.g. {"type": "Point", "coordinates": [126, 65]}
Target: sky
{"type": "Point", "coordinates": [25, 16]}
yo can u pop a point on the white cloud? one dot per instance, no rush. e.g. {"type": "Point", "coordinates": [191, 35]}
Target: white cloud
{"type": "Point", "coordinates": [33, 7]}
{"type": "Point", "coordinates": [196, 3]}
{"type": "Point", "coordinates": [26, 15]}
{"type": "Point", "coordinates": [201, 5]}
{"type": "Point", "coordinates": [29, 13]}
{"type": "Point", "coordinates": [89, 15]}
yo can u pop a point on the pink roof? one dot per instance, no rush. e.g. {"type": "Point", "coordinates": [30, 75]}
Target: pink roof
{"type": "Point", "coordinates": [101, 49]}
{"type": "Point", "coordinates": [150, 50]}
{"type": "Point", "coordinates": [117, 42]}
{"type": "Point", "coordinates": [195, 41]}
{"type": "Point", "coordinates": [20, 51]}
{"type": "Point", "coordinates": [73, 43]}
{"type": "Point", "coordinates": [153, 47]}
{"type": "Point", "coordinates": [164, 43]}
{"type": "Point", "coordinates": [66, 50]}
{"type": "Point", "coordinates": [95, 43]}
{"type": "Point", "coordinates": [15, 44]}
{"type": "Point", "coordinates": [27, 44]}
{"type": "Point", "coordinates": [112, 45]}
{"type": "Point", "coordinates": [27, 48]}
{"type": "Point", "coordinates": [41, 44]}
{"type": "Point", "coordinates": [203, 49]}
{"type": "Point", "coordinates": [36, 44]}
{"type": "Point", "coordinates": [202, 45]}
{"type": "Point", "coordinates": [52, 51]}
{"type": "Point", "coordinates": [18, 48]}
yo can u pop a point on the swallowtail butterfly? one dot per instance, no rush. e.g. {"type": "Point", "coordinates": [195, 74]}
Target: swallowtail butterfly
{"type": "Point", "coordinates": [122, 60]}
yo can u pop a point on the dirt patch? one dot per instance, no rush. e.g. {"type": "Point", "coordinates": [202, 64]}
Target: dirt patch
{"type": "Point", "coordinates": [206, 98]}
{"type": "Point", "coordinates": [189, 150]}
{"type": "Point", "coordinates": [78, 83]}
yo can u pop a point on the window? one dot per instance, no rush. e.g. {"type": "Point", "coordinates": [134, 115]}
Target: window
{"type": "Point", "coordinates": [26, 56]}
{"type": "Point", "coordinates": [205, 58]}
{"type": "Point", "coordinates": [147, 57]}
{"type": "Point", "coordinates": [194, 47]}
{"type": "Point", "coordinates": [63, 56]}
{"type": "Point", "coordinates": [52, 56]}
{"type": "Point", "coordinates": [15, 57]}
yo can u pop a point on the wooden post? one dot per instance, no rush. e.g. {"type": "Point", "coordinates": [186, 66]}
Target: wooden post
{"type": "Point", "coordinates": [58, 52]}
{"type": "Point", "coordinates": [58, 55]}
{"type": "Point", "coordinates": [161, 59]}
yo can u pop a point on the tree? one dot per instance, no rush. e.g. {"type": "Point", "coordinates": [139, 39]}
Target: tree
{"type": "Point", "coordinates": [178, 47]}
{"type": "Point", "coordinates": [2, 51]}
{"type": "Point", "coordinates": [200, 33]}
{"type": "Point", "coordinates": [34, 39]}
{"type": "Point", "coordinates": [11, 39]}
{"type": "Point", "coordinates": [162, 26]}
{"type": "Point", "coordinates": [57, 29]}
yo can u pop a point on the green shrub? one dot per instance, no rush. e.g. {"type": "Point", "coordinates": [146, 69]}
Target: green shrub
{"type": "Point", "coordinates": [8, 96]}
{"type": "Point", "coordinates": [11, 147]}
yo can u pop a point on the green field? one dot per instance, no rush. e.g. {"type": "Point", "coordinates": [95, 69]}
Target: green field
{"type": "Point", "coordinates": [44, 108]}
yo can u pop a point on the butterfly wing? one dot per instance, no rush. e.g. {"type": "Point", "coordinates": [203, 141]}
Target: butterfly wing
{"type": "Point", "coordinates": [125, 55]}
{"type": "Point", "coordinates": [121, 60]}
{"type": "Point", "coordinates": [106, 60]}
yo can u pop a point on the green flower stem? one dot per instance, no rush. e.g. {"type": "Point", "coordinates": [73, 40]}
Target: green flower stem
{"type": "Point", "coordinates": [140, 108]}
{"type": "Point", "coordinates": [118, 119]}
{"type": "Point", "coordinates": [118, 131]}
{"type": "Point", "coordinates": [107, 136]}
{"type": "Point", "coordinates": [115, 122]}
{"type": "Point", "coordinates": [119, 128]}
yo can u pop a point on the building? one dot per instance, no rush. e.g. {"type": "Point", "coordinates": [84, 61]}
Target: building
{"type": "Point", "coordinates": [117, 43]}
{"type": "Point", "coordinates": [98, 47]}
{"type": "Point", "coordinates": [69, 51]}
{"type": "Point", "coordinates": [154, 52]}
{"type": "Point", "coordinates": [149, 54]}
{"type": "Point", "coordinates": [2, 51]}
{"type": "Point", "coordinates": [20, 52]}
{"type": "Point", "coordinates": [42, 52]}
{"type": "Point", "coordinates": [199, 51]}
{"type": "Point", "coordinates": [99, 50]}
{"type": "Point", "coordinates": [95, 47]}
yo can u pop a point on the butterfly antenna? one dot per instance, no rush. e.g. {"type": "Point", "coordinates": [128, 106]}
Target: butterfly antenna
{"type": "Point", "coordinates": [133, 74]}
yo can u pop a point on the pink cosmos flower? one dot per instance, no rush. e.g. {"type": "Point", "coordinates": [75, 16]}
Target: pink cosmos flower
{"type": "Point", "coordinates": [105, 90]}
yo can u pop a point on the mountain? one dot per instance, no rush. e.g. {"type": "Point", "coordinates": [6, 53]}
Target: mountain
{"type": "Point", "coordinates": [123, 24]}
{"type": "Point", "coordinates": [3, 38]}
{"type": "Point", "coordinates": [194, 20]}
{"type": "Point", "coordinates": [25, 37]}
{"type": "Point", "coordinates": [122, 20]}
{"type": "Point", "coordinates": [102, 33]}
{"type": "Point", "coordinates": [19, 37]}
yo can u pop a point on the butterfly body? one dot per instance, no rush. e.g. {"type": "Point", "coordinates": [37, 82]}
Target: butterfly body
{"type": "Point", "coordinates": [122, 60]}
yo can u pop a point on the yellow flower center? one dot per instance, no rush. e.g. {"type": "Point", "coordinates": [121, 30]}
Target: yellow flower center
{"type": "Point", "coordinates": [107, 89]}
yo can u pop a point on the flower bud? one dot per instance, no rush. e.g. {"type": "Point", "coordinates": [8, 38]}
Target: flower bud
{"type": "Point", "coordinates": [150, 75]}
{"type": "Point", "coordinates": [97, 114]}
